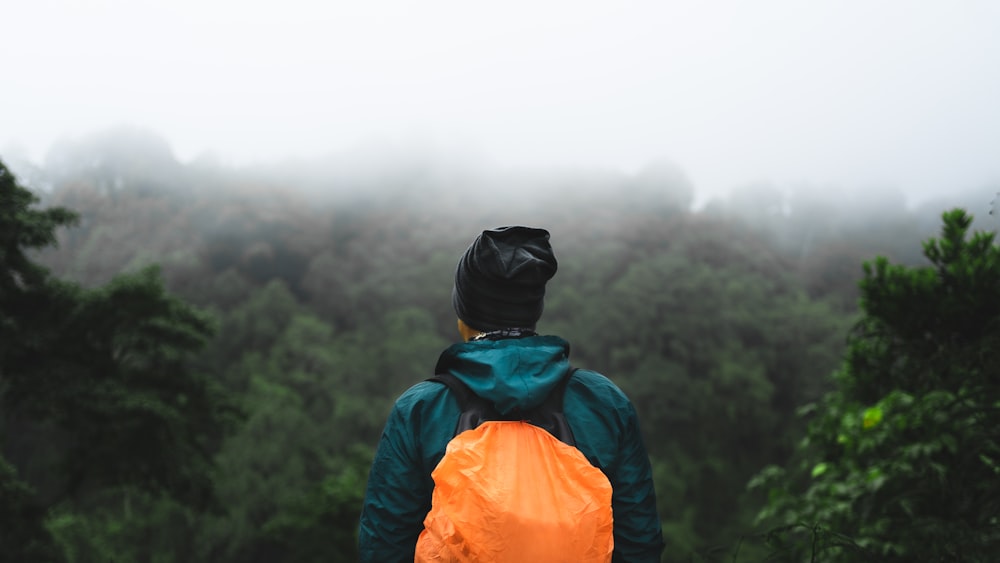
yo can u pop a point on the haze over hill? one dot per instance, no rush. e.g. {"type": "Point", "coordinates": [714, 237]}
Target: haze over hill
{"type": "Point", "coordinates": [845, 95]}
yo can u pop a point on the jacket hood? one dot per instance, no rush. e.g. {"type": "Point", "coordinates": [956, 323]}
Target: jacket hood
{"type": "Point", "coordinates": [515, 373]}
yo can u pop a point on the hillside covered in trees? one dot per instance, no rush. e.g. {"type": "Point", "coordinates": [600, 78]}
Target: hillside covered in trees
{"type": "Point", "coordinates": [196, 360]}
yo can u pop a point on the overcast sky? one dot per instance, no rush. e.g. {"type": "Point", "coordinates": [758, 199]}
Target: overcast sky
{"type": "Point", "coordinates": [845, 93]}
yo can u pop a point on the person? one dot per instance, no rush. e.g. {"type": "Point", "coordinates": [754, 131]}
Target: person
{"type": "Point", "coordinates": [498, 297]}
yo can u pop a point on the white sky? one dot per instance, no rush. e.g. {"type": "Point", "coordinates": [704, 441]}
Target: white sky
{"type": "Point", "coordinates": [902, 93]}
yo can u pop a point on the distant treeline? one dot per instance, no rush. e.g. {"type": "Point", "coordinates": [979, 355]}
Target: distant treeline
{"type": "Point", "coordinates": [315, 292]}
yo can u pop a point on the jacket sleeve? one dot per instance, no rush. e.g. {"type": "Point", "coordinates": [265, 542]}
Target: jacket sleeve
{"type": "Point", "coordinates": [398, 495]}
{"type": "Point", "coordinates": [638, 534]}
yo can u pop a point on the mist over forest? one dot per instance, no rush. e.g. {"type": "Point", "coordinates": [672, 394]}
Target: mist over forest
{"type": "Point", "coordinates": [319, 290]}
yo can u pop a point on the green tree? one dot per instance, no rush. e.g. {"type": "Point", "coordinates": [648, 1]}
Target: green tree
{"type": "Point", "coordinates": [97, 388]}
{"type": "Point", "coordinates": [902, 460]}
{"type": "Point", "coordinates": [22, 229]}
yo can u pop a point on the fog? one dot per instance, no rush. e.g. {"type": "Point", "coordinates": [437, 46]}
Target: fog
{"type": "Point", "coordinates": [839, 95]}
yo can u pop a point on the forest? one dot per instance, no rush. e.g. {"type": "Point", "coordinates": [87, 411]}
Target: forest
{"type": "Point", "coordinates": [196, 359]}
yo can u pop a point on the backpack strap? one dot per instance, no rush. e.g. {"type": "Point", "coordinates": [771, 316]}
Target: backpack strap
{"type": "Point", "coordinates": [549, 414]}
{"type": "Point", "coordinates": [477, 410]}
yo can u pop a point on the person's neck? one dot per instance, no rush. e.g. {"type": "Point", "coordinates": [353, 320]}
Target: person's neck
{"type": "Point", "coordinates": [505, 334]}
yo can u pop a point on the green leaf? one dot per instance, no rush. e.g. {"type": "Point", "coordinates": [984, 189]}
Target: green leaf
{"type": "Point", "coordinates": [872, 417]}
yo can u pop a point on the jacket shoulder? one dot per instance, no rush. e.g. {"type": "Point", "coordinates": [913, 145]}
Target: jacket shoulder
{"type": "Point", "coordinates": [597, 389]}
{"type": "Point", "coordinates": [424, 417]}
{"type": "Point", "coordinates": [420, 396]}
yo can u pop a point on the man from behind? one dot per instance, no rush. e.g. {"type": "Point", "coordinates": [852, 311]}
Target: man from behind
{"type": "Point", "coordinates": [519, 375]}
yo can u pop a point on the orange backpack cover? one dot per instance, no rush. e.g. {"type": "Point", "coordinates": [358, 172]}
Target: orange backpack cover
{"type": "Point", "coordinates": [508, 491]}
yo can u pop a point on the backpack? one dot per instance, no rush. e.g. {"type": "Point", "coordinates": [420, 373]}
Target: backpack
{"type": "Point", "coordinates": [508, 490]}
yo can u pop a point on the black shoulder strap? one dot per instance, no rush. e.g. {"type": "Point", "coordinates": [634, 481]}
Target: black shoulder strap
{"type": "Point", "coordinates": [477, 410]}
{"type": "Point", "coordinates": [549, 415]}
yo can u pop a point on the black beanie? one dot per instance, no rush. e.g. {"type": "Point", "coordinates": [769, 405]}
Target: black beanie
{"type": "Point", "coordinates": [500, 280]}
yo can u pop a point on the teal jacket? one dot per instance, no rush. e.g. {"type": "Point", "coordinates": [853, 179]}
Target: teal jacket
{"type": "Point", "coordinates": [515, 373]}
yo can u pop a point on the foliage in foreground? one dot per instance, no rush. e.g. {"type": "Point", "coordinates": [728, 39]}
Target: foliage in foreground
{"type": "Point", "coordinates": [97, 390]}
{"type": "Point", "coordinates": [902, 460]}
